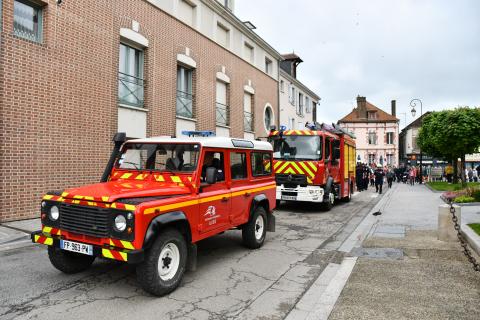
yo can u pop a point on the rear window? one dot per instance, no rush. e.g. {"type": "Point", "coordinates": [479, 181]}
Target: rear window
{"type": "Point", "coordinates": [261, 163]}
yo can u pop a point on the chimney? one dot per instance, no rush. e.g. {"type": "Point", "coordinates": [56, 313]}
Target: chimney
{"type": "Point", "coordinates": [290, 63]}
{"type": "Point", "coordinates": [361, 107]}
{"type": "Point", "coordinates": [394, 108]}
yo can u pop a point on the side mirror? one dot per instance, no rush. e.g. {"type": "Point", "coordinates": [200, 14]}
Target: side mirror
{"type": "Point", "coordinates": [336, 154]}
{"type": "Point", "coordinates": [211, 175]}
{"type": "Point", "coordinates": [336, 144]}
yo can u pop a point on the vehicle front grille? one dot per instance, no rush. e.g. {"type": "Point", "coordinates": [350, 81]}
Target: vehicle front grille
{"type": "Point", "coordinates": [291, 180]}
{"type": "Point", "coordinates": [90, 221]}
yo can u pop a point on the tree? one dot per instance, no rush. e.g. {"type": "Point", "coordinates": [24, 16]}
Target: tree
{"type": "Point", "coordinates": [451, 134]}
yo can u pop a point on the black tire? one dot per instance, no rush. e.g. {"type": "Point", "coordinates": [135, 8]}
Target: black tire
{"type": "Point", "coordinates": [278, 203]}
{"type": "Point", "coordinates": [327, 205]}
{"type": "Point", "coordinates": [148, 274]}
{"type": "Point", "coordinates": [69, 262]}
{"type": "Point", "coordinates": [251, 238]}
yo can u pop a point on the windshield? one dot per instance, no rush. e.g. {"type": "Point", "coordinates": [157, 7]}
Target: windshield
{"type": "Point", "coordinates": [297, 148]}
{"type": "Point", "coordinates": [159, 157]}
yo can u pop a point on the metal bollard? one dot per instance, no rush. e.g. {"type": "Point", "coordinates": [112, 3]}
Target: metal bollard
{"type": "Point", "coordinates": [446, 228]}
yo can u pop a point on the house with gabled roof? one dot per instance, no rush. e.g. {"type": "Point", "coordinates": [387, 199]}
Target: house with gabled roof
{"type": "Point", "coordinates": [376, 132]}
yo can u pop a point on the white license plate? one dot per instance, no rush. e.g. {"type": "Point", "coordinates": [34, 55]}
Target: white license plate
{"type": "Point", "coordinates": [289, 198]}
{"type": "Point", "coordinates": [76, 247]}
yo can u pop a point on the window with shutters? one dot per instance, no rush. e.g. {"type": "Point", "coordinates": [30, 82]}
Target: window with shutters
{"type": "Point", "coordinates": [389, 138]}
{"type": "Point", "coordinates": [223, 35]}
{"type": "Point", "coordinates": [130, 76]}
{"type": "Point", "coordinates": [222, 112]}
{"type": "Point", "coordinates": [372, 138]}
{"type": "Point", "coordinates": [247, 112]}
{"type": "Point", "coordinates": [184, 92]}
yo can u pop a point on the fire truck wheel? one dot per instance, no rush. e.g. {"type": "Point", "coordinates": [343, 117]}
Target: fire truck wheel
{"type": "Point", "coordinates": [165, 263]}
{"type": "Point", "coordinates": [327, 205]}
{"type": "Point", "coordinates": [69, 262]}
{"type": "Point", "coordinates": [253, 233]}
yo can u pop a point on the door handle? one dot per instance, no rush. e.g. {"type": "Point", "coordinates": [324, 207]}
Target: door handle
{"type": "Point", "coordinates": [247, 194]}
{"type": "Point", "coordinates": [224, 199]}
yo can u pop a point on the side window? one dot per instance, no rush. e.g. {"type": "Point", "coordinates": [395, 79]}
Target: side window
{"type": "Point", "coordinates": [261, 164]}
{"type": "Point", "coordinates": [327, 148]}
{"type": "Point", "coordinates": [216, 160]}
{"type": "Point", "coordinates": [238, 165]}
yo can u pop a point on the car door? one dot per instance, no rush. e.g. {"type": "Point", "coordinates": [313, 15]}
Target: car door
{"type": "Point", "coordinates": [240, 186]}
{"type": "Point", "coordinates": [214, 199]}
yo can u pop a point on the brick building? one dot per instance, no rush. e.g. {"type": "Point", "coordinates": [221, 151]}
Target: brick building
{"type": "Point", "coordinates": [72, 73]}
{"type": "Point", "coordinates": [376, 133]}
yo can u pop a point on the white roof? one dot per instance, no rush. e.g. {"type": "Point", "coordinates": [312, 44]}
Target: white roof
{"type": "Point", "coordinates": [211, 142]}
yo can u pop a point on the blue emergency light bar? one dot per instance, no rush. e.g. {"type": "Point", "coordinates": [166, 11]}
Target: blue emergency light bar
{"type": "Point", "coordinates": [204, 133]}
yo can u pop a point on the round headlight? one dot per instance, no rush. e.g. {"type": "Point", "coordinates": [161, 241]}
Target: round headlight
{"type": "Point", "coordinates": [54, 213]}
{"type": "Point", "coordinates": [120, 223]}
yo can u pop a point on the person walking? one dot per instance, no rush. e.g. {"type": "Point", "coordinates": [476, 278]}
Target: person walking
{"type": "Point", "coordinates": [359, 176]}
{"type": "Point", "coordinates": [379, 174]}
{"type": "Point", "coordinates": [470, 175]}
{"type": "Point", "coordinates": [449, 172]}
{"type": "Point", "coordinates": [372, 178]}
{"type": "Point", "coordinates": [390, 177]}
{"type": "Point", "coordinates": [366, 176]}
{"type": "Point", "coordinates": [475, 176]}
{"type": "Point", "coordinates": [412, 175]}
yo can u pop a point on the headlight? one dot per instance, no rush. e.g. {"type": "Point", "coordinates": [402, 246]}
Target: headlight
{"type": "Point", "coordinates": [120, 223]}
{"type": "Point", "coordinates": [54, 213]}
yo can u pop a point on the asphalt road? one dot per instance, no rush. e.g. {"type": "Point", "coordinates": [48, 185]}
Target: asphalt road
{"type": "Point", "coordinates": [231, 282]}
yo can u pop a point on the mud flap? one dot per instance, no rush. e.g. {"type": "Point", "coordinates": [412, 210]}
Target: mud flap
{"type": "Point", "coordinates": [271, 223]}
{"type": "Point", "coordinates": [192, 257]}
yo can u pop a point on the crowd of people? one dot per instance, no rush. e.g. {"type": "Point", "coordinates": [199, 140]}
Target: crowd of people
{"type": "Point", "coordinates": [374, 176]}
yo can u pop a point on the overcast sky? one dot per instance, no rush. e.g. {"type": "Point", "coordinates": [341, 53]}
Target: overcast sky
{"type": "Point", "coordinates": [381, 49]}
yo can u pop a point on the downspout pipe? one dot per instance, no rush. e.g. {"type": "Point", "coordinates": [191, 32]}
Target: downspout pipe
{"type": "Point", "coordinates": [118, 139]}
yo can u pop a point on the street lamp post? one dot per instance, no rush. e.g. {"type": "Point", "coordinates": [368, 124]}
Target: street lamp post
{"type": "Point", "coordinates": [413, 104]}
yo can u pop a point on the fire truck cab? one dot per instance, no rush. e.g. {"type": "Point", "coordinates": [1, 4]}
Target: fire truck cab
{"type": "Point", "coordinates": [315, 165]}
{"type": "Point", "coordinates": [158, 197]}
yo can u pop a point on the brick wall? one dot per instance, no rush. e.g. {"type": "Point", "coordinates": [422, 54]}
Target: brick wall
{"type": "Point", "coordinates": [58, 99]}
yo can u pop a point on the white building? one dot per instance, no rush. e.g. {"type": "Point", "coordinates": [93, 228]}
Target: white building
{"type": "Point", "coordinates": [298, 104]}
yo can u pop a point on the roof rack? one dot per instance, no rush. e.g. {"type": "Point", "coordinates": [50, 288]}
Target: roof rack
{"type": "Point", "coordinates": [204, 133]}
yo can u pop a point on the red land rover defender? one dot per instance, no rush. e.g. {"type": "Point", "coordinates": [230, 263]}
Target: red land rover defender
{"type": "Point", "coordinates": [158, 198]}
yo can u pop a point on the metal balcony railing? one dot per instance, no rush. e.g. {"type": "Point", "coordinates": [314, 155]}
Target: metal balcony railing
{"type": "Point", "coordinates": [184, 104]}
{"type": "Point", "coordinates": [222, 114]}
{"type": "Point", "coordinates": [130, 90]}
{"type": "Point", "coordinates": [247, 121]}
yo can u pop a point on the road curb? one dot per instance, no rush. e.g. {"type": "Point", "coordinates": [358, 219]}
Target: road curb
{"type": "Point", "coordinates": [464, 204]}
{"type": "Point", "coordinates": [472, 238]}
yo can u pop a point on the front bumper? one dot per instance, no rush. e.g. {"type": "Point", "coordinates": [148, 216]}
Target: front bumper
{"type": "Point", "coordinates": [124, 255]}
{"type": "Point", "coordinates": [308, 193]}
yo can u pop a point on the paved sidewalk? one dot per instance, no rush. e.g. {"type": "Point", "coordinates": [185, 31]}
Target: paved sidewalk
{"type": "Point", "coordinates": [403, 271]}
{"type": "Point", "coordinates": [16, 234]}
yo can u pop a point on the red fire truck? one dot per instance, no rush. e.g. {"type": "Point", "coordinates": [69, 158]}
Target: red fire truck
{"type": "Point", "coordinates": [315, 165]}
{"type": "Point", "coordinates": [157, 198]}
